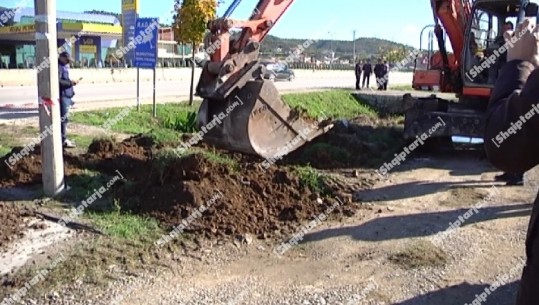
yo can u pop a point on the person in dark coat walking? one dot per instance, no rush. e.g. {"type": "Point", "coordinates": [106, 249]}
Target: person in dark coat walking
{"type": "Point", "coordinates": [515, 101]}
{"type": "Point", "coordinates": [367, 72]}
{"type": "Point", "coordinates": [358, 74]}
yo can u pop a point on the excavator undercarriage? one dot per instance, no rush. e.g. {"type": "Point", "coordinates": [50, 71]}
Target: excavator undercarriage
{"type": "Point", "coordinates": [424, 115]}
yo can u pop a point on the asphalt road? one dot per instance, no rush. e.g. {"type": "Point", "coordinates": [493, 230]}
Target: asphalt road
{"type": "Point", "coordinates": [21, 101]}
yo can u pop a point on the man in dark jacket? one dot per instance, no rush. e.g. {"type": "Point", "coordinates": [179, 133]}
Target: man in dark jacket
{"type": "Point", "coordinates": [511, 136]}
{"type": "Point", "coordinates": [358, 74]}
{"type": "Point", "coordinates": [379, 73]}
{"type": "Point", "coordinates": [367, 72]}
{"type": "Point", "coordinates": [385, 75]}
{"type": "Point", "coordinates": [66, 94]}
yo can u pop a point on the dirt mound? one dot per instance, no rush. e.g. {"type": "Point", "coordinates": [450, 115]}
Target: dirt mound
{"type": "Point", "coordinates": [137, 146]}
{"type": "Point", "coordinates": [265, 203]}
{"type": "Point", "coordinates": [25, 169]}
{"type": "Point", "coordinates": [361, 142]}
{"type": "Point", "coordinates": [11, 222]}
{"type": "Point", "coordinates": [103, 155]}
{"type": "Point", "coordinates": [129, 157]}
{"type": "Point", "coordinates": [231, 199]}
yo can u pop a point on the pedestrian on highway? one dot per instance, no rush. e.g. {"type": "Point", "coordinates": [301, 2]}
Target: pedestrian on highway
{"type": "Point", "coordinates": [367, 72]}
{"type": "Point", "coordinates": [379, 73]}
{"type": "Point", "coordinates": [386, 75]}
{"type": "Point", "coordinates": [66, 94]}
{"type": "Point", "coordinates": [358, 74]}
{"type": "Point", "coordinates": [516, 95]}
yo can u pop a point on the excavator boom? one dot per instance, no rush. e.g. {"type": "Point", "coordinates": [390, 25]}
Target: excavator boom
{"type": "Point", "coordinates": [241, 111]}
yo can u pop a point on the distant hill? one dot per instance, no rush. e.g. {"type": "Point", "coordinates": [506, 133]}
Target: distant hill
{"type": "Point", "coordinates": [272, 45]}
{"type": "Point", "coordinates": [365, 47]}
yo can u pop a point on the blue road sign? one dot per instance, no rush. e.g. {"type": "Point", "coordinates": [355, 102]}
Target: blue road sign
{"type": "Point", "coordinates": [145, 40]}
{"type": "Point", "coordinates": [130, 10]}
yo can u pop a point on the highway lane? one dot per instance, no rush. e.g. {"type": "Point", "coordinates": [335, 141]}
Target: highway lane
{"type": "Point", "coordinates": [26, 96]}
{"type": "Point", "coordinates": [20, 102]}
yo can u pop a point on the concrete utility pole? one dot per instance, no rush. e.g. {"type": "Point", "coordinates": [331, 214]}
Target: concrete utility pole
{"type": "Point", "coordinates": [49, 94]}
{"type": "Point", "coordinates": [354, 46]}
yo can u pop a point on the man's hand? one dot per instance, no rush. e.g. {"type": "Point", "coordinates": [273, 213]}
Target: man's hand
{"type": "Point", "coordinates": [526, 43]}
{"type": "Point", "coordinates": [74, 82]}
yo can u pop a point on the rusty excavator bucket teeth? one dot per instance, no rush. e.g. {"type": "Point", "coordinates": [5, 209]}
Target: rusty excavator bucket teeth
{"type": "Point", "coordinates": [254, 120]}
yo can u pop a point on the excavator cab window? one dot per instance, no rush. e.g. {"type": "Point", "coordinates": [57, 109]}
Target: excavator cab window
{"type": "Point", "coordinates": [483, 55]}
{"type": "Point", "coordinates": [485, 35]}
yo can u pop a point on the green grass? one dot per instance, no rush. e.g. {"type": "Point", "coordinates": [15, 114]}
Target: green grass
{"type": "Point", "coordinates": [174, 119]}
{"type": "Point", "coordinates": [4, 150]}
{"type": "Point", "coordinates": [131, 121]}
{"type": "Point", "coordinates": [83, 185]}
{"type": "Point", "coordinates": [164, 156]}
{"type": "Point", "coordinates": [311, 178]}
{"type": "Point", "coordinates": [218, 158]}
{"type": "Point", "coordinates": [82, 141]}
{"type": "Point", "coordinates": [401, 88]}
{"type": "Point", "coordinates": [120, 224]}
{"type": "Point", "coordinates": [332, 104]}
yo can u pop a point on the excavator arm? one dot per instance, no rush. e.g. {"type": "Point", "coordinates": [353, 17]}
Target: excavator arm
{"type": "Point", "coordinates": [451, 16]}
{"type": "Point", "coordinates": [245, 111]}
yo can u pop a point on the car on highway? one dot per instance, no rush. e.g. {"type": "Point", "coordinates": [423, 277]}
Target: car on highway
{"type": "Point", "coordinates": [278, 71]}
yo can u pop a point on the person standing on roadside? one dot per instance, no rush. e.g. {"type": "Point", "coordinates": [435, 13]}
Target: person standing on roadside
{"type": "Point", "coordinates": [358, 74]}
{"type": "Point", "coordinates": [379, 73]}
{"type": "Point", "coordinates": [66, 94]}
{"type": "Point", "coordinates": [516, 95]}
{"type": "Point", "coordinates": [367, 72]}
{"type": "Point", "coordinates": [385, 76]}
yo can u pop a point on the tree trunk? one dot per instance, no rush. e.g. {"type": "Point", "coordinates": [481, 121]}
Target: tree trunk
{"type": "Point", "coordinates": [191, 93]}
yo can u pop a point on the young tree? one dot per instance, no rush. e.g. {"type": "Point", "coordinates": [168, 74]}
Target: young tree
{"type": "Point", "coordinates": [393, 54]}
{"type": "Point", "coordinates": [190, 22]}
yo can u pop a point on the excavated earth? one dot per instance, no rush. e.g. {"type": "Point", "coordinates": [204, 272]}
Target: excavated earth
{"type": "Point", "coordinates": [249, 199]}
{"type": "Point", "coordinates": [235, 200]}
{"type": "Point", "coordinates": [12, 222]}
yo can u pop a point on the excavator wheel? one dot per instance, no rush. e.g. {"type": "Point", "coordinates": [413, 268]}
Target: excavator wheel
{"type": "Point", "coordinates": [254, 120]}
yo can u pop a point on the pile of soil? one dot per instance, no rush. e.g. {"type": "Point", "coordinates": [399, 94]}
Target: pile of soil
{"type": "Point", "coordinates": [28, 169]}
{"type": "Point", "coordinates": [12, 222]}
{"type": "Point", "coordinates": [103, 155]}
{"type": "Point", "coordinates": [361, 142]}
{"type": "Point", "coordinates": [249, 199]}
{"type": "Point", "coordinates": [266, 203]}
{"type": "Point", "coordinates": [130, 157]}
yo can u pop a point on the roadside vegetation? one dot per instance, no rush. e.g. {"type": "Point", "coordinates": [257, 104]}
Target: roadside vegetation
{"type": "Point", "coordinates": [175, 119]}
{"type": "Point", "coordinates": [126, 243]}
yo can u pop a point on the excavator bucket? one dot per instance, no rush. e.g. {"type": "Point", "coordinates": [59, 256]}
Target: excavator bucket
{"type": "Point", "coordinates": [254, 120]}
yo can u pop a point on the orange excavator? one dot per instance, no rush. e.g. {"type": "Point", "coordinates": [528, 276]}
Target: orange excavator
{"type": "Point", "coordinates": [241, 111]}
{"type": "Point", "coordinates": [245, 111]}
{"type": "Point", "coordinates": [475, 31]}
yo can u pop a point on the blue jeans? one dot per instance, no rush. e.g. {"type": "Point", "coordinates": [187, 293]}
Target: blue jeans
{"type": "Point", "coordinates": [65, 103]}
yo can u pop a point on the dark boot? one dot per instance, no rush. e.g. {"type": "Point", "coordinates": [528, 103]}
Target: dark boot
{"type": "Point", "coordinates": [502, 177]}
{"type": "Point", "coordinates": [515, 179]}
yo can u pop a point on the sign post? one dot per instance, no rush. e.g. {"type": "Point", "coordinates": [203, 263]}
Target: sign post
{"type": "Point", "coordinates": [138, 89]}
{"type": "Point", "coordinates": [146, 30]}
{"type": "Point", "coordinates": [48, 89]}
